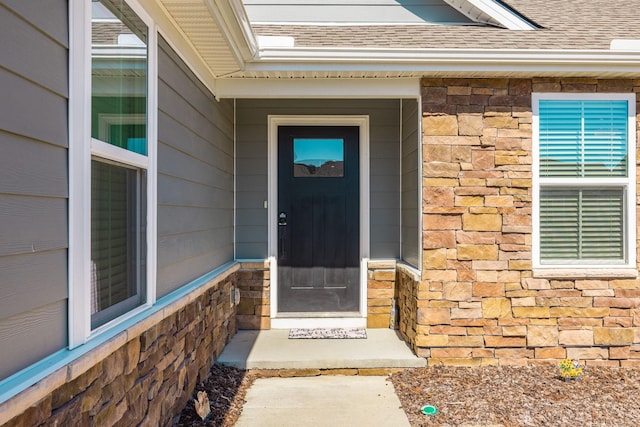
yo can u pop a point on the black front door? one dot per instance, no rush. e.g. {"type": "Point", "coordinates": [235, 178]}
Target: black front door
{"type": "Point", "coordinates": [318, 219]}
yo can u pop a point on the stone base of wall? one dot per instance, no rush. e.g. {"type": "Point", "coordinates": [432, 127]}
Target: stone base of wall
{"type": "Point", "coordinates": [409, 286]}
{"type": "Point", "coordinates": [254, 282]}
{"type": "Point", "coordinates": [381, 294]}
{"type": "Point", "coordinates": [143, 376]}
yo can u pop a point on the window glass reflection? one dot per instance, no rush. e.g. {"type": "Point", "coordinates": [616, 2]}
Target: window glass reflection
{"type": "Point", "coordinates": [119, 59]}
{"type": "Point", "coordinates": [318, 157]}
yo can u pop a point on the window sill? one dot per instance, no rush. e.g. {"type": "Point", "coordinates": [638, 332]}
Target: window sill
{"type": "Point", "coordinates": [585, 273]}
{"type": "Point", "coordinates": [410, 270]}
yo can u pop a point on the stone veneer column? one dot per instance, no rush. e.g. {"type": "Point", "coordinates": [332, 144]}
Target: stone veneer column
{"type": "Point", "coordinates": [254, 282]}
{"type": "Point", "coordinates": [478, 302]}
{"type": "Point", "coordinates": [381, 293]}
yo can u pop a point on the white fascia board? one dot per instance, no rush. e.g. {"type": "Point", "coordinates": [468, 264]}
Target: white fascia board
{"type": "Point", "coordinates": [398, 55]}
{"type": "Point", "coordinates": [318, 88]}
{"type": "Point", "coordinates": [443, 60]}
{"type": "Point", "coordinates": [242, 20]}
{"type": "Point", "coordinates": [232, 19]}
{"type": "Point", "coordinates": [497, 11]}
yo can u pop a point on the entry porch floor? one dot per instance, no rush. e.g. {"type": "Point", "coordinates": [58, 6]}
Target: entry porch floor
{"type": "Point", "coordinates": [272, 349]}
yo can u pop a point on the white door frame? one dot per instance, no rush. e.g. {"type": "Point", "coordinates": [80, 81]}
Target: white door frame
{"type": "Point", "coordinates": [362, 121]}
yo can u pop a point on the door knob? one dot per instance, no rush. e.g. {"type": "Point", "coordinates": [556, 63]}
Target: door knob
{"type": "Point", "coordinates": [282, 218]}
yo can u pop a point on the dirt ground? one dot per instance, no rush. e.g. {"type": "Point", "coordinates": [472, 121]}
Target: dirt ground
{"type": "Point", "coordinates": [488, 396]}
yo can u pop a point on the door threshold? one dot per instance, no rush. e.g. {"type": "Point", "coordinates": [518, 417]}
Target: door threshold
{"type": "Point", "coordinates": [318, 322]}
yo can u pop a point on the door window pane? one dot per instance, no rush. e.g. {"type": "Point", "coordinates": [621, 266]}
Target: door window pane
{"type": "Point", "coordinates": [118, 76]}
{"type": "Point", "coordinates": [118, 243]}
{"type": "Point", "coordinates": [318, 157]}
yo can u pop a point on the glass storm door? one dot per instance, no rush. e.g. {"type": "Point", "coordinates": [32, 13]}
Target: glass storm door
{"type": "Point", "coordinates": [318, 219]}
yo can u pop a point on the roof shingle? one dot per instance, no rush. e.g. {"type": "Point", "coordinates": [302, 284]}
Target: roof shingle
{"type": "Point", "coordinates": [566, 24]}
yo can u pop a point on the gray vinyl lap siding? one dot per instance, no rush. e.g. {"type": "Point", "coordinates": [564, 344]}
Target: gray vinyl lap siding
{"type": "Point", "coordinates": [410, 183]}
{"type": "Point", "coordinates": [252, 168]}
{"type": "Point", "coordinates": [195, 175]}
{"type": "Point", "coordinates": [33, 181]}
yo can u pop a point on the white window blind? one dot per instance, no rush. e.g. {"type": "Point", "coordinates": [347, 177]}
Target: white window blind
{"type": "Point", "coordinates": [581, 224]}
{"type": "Point", "coordinates": [583, 138]}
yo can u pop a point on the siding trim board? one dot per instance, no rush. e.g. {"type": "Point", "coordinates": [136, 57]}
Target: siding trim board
{"type": "Point", "coordinates": [410, 194]}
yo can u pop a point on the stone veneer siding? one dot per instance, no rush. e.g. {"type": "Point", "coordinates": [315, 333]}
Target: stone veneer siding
{"type": "Point", "coordinates": [408, 285]}
{"type": "Point", "coordinates": [479, 302]}
{"type": "Point", "coordinates": [381, 292]}
{"type": "Point", "coordinates": [392, 283]}
{"type": "Point", "coordinates": [254, 282]}
{"type": "Point", "coordinates": [143, 376]}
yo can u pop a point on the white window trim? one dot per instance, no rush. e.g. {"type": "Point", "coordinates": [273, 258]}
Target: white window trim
{"type": "Point", "coordinates": [628, 268]}
{"type": "Point", "coordinates": [81, 149]}
{"type": "Point", "coordinates": [120, 155]}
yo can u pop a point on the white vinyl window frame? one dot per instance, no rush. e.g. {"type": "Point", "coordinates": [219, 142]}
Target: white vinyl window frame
{"type": "Point", "coordinates": [605, 268]}
{"type": "Point", "coordinates": [82, 148]}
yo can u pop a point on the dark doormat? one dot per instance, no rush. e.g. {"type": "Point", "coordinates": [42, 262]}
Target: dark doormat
{"type": "Point", "coordinates": [328, 333]}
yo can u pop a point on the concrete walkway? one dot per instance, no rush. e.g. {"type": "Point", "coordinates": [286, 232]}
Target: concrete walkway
{"type": "Point", "coordinates": [324, 400]}
{"type": "Point", "coordinates": [328, 400]}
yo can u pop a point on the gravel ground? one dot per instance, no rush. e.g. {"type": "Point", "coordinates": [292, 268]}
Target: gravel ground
{"type": "Point", "coordinates": [520, 396]}
{"type": "Point", "coordinates": [488, 396]}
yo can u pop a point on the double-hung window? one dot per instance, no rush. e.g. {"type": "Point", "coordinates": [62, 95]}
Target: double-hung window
{"type": "Point", "coordinates": [584, 180]}
{"type": "Point", "coordinates": [112, 162]}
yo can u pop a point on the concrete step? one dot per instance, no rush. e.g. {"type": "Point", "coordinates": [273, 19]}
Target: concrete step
{"type": "Point", "coordinates": [272, 349]}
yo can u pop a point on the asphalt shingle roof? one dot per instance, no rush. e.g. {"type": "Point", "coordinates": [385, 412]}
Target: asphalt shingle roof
{"type": "Point", "coordinates": [566, 24]}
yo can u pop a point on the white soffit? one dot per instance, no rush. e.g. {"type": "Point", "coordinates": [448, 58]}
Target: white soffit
{"type": "Point", "coordinates": [491, 12]}
{"type": "Point", "coordinates": [197, 22]}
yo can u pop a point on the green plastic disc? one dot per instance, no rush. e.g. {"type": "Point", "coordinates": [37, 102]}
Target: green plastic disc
{"type": "Point", "coordinates": [429, 410]}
